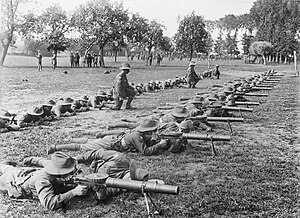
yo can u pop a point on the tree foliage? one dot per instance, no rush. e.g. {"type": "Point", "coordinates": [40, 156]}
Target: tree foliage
{"type": "Point", "coordinates": [101, 23]}
{"type": "Point", "coordinates": [191, 35]}
{"type": "Point", "coordinates": [278, 22]}
{"type": "Point", "coordinates": [261, 48]}
{"type": "Point", "coordinates": [9, 25]}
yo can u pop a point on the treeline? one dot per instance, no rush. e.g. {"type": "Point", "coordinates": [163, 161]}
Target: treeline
{"type": "Point", "coordinates": [101, 26]}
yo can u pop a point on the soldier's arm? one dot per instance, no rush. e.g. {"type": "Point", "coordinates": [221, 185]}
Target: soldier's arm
{"type": "Point", "coordinates": [146, 149]}
{"type": "Point", "coordinates": [46, 194]}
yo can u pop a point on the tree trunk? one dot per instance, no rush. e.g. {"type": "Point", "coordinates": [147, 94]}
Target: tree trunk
{"type": "Point", "coordinates": [5, 49]}
{"type": "Point", "coordinates": [116, 54]}
{"type": "Point", "coordinates": [264, 59]}
{"type": "Point", "coordinates": [127, 54]}
{"type": "Point", "coordinates": [191, 54]}
{"type": "Point", "coordinates": [280, 58]}
{"type": "Point", "coordinates": [101, 58]}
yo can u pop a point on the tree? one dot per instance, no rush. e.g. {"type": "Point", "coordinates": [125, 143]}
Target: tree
{"type": "Point", "coordinates": [230, 23]}
{"type": "Point", "coordinates": [118, 19]}
{"type": "Point", "coordinates": [219, 45]}
{"type": "Point", "coordinates": [278, 22]}
{"type": "Point", "coordinates": [10, 23]}
{"type": "Point", "coordinates": [31, 46]}
{"type": "Point", "coordinates": [96, 23]}
{"type": "Point", "coordinates": [191, 35]}
{"type": "Point", "coordinates": [137, 29]}
{"type": "Point", "coordinates": [165, 45]}
{"type": "Point", "coordinates": [246, 42]}
{"type": "Point", "coordinates": [153, 36]}
{"type": "Point", "coordinates": [260, 48]}
{"type": "Point", "coordinates": [55, 25]}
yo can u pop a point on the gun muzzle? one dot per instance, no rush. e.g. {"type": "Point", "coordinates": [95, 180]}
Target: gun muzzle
{"type": "Point", "coordinates": [142, 186]}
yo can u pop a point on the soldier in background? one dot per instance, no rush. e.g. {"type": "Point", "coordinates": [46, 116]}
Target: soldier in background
{"type": "Point", "coordinates": [63, 108]}
{"type": "Point", "coordinates": [122, 90]}
{"type": "Point", "coordinates": [39, 59]}
{"type": "Point", "coordinates": [77, 59]}
{"type": "Point", "coordinates": [54, 60]}
{"type": "Point", "coordinates": [191, 76]}
{"type": "Point", "coordinates": [95, 60]}
{"type": "Point", "coordinates": [217, 72]}
{"type": "Point", "coordinates": [31, 117]}
{"type": "Point", "coordinates": [72, 59]}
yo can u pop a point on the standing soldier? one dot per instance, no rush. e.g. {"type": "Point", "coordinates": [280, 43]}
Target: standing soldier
{"type": "Point", "coordinates": [191, 76]}
{"type": "Point", "coordinates": [122, 90]}
{"type": "Point", "coordinates": [77, 58]}
{"type": "Point", "coordinates": [217, 72]}
{"type": "Point", "coordinates": [95, 60]}
{"type": "Point", "coordinates": [72, 59]}
{"type": "Point", "coordinates": [54, 60]}
{"type": "Point", "coordinates": [39, 58]}
{"type": "Point", "coordinates": [158, 59]}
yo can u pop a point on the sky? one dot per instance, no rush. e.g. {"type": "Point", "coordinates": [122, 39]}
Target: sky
{"type": "Point", "coordinates": [167, 12]}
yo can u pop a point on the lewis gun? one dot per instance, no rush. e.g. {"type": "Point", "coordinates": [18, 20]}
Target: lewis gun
{"type": "Point", "coordinates": [196, 136]}
{"type": "Point", "coordinates": [100, 180]}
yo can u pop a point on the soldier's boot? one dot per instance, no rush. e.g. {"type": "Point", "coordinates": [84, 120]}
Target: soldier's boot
{"type": "Point", "coordinates": [116, 106]}
{"type": "Point", "coordinates": [8, 162]}
{"type": "Point", "coordinates": [35, 161]}
{"type": "Point", "coordinates": [71, 147]}
{"type": "Point", "coordinates": [128, 106]}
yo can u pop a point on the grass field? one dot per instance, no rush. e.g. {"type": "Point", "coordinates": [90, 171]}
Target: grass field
{"type": "Point", "coordinates": [256, 174]}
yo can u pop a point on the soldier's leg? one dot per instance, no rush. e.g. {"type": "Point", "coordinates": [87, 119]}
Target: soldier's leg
{"type": "Point", "coordinates": [117, 105]}
{"type": "Point", "coordinates": [8, 174]}
{"type": "Point", "coordinates": [130, 93]}
{"type": "Point", "coordinates": [77, 140]}
{"type": "Point", "coordinates": [71, 146]}
{"type": "Point", "coordinates": [35, 161]}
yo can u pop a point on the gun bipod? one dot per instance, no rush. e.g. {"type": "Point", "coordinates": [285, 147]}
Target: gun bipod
{"type": "Point", "coordinates": [146, 196]}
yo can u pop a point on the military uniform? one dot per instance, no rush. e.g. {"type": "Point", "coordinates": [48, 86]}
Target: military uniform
{"type": "Point", "coordinates": [122, 90]}
{"type": "Point", "coordinates": [39, 183]}
{"type": "Point", "coordinates": [133, 141]}
{"type": "Point", "coordinates": [64, 108]}
{"type": "Point", "coordinates": [191, 76]}
{"type": "Point", "coordinates": [39, 59]}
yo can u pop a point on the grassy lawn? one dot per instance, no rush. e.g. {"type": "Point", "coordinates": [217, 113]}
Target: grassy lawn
{"type": "Point", "coordinates": [256, 174]}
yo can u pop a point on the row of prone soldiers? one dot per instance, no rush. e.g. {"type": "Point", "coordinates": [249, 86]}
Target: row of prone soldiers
{"type": "Point", "coordinates": [190, 116]}
{"type": "Point", "coordinates": [105, 151]}
{"type": "Point", "coordinates": [51, 110]}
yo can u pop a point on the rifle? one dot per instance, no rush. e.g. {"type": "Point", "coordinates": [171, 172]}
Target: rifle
{"type": "Point", "coordinates": [226, 119]}
{"type": "Point", "coordinates": [100, 180]}
{"type": "Point", "coordinates": [237, 109]}
{"type": "Point", "coordinates": [260, 88]}
{"type": "Point", "coordinates": [211, 138]}
{"type": "Point", "coordinates": [257, 94]}
{"type": "Point", "coordinates": [246, 103]}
